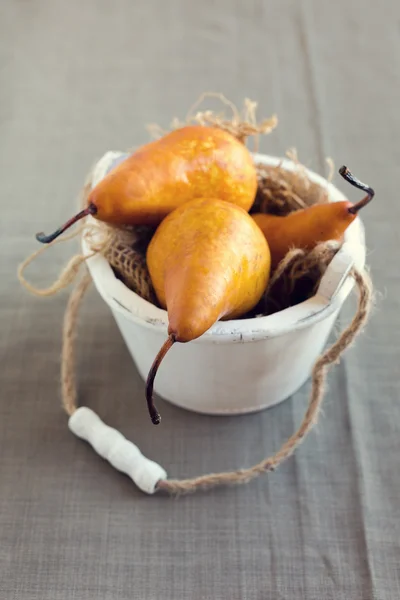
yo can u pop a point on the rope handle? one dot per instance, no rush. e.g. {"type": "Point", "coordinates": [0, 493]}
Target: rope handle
{"type": "Point", "coordinates": [148, 475]}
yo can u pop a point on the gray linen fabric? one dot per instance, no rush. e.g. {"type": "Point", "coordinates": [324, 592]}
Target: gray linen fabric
{"type": "Point", "coordinates": [77, 79]}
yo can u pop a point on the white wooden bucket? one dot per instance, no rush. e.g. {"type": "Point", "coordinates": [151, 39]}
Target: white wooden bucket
{"type": "Point", "coordinates": [238, 366]}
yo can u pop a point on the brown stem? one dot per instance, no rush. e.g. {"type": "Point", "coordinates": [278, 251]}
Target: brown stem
{"type": "Point", "coordinates": [46, 239]}
{"type": "Point", "coordinates": [348, 176]}
{"type": "Point", "coordinates": [154, 414]}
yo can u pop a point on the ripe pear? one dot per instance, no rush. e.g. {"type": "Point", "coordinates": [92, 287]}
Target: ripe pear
{"type": "Point", "coordinates": [194, 161]}
{"type": "Point", "coordinates": [307, 227]}
{"type": "Point", "coordinates": [208, 260]}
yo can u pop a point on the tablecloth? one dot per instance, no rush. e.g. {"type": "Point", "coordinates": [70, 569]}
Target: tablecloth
{"type": "Point", "coordinates": [78, 79]}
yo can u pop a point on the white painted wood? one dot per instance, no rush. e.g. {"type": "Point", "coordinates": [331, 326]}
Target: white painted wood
{"type": "Point", "coordinates": [236, 366]}
{"type": "Point", "coordinates": [111, 445]}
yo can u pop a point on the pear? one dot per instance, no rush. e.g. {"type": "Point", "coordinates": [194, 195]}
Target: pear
{"type": "Point", "coordinates": [208, 260]}
{"type": "Point", "coordinates": [305, 228]}
{"type": "Point", "coordinates": [190, 162]}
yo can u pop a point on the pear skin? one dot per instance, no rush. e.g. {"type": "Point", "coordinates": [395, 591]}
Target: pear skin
{"type": "Point", "coordinates": [208, 260]}
{"type": "Point", "coordinates": [191, 162]}
{"type": "Point", "coordinates": [304, 228]}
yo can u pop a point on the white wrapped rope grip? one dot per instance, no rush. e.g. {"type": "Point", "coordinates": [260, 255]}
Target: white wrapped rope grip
{"type": "Point", "coordinates": [111, 445]}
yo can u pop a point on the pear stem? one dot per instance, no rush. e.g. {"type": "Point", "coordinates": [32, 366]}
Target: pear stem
{"type": "Point", "coordinates": [348, 176]}
{"type": "Point", "coordinates": [46, 239]}
{"type": "Point", "coordinates": [154, 414]}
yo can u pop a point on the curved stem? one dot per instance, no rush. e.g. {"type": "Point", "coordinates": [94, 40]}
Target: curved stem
{"type": "Point", "coordinates": [154, 414]}
{"type": "Point", "coordinates": [348, 176]}
{"type": "Point", "coordinates": [46, 239]}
